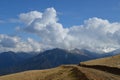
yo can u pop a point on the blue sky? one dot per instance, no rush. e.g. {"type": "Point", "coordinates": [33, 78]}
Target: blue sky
{"type": "Point", "coordinates": [69, 12]}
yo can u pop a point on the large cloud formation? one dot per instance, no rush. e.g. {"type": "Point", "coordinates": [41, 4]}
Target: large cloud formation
{"type": "Point", "coordinates": [95, 34]}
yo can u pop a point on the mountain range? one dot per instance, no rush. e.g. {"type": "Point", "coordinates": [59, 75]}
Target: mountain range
{"type": "Point", "coordinates": [11, 62]}
{"type": "Point", "coordinates": [98, 69]}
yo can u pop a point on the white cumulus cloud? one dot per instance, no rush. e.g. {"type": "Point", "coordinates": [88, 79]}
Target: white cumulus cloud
{"type": "Point", "coordinates": [28, 18]}
{"type": "Point", "coordinates": [95, 34]}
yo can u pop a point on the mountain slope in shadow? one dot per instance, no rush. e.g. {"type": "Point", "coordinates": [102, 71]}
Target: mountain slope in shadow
{"type": "Point", "coordinates": [49, 59]}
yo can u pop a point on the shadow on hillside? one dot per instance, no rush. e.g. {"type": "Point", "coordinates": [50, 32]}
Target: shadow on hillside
{"type": "Point", "coordinates": [113, 70]}
{"type": "Point", "coordinates": [76, 73]}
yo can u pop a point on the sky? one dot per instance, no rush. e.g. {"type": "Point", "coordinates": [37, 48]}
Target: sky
{"type": "Point", "coordinates": [36, 25]}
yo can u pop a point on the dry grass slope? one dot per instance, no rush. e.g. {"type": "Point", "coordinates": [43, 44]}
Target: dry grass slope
{"type": "Point", "coordinates": [113, 61]}
{"type": "Point", "coordinates": [59, 73]}
{"type": "Point", "coordinates": [68, 72]}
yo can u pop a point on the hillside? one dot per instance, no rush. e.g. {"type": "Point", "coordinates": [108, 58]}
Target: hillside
{"type": "Point", "coordinates": [113, 61]}
{"type": "Point", "coordinates": [8, 59]}
{"type": "Point", "coordinates": [68, 72]}
{"type": "Point", "coordinates": [73, 72]}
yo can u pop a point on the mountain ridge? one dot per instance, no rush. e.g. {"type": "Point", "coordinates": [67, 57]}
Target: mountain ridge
{"type": "Point", "coordinates": [52, 58]}
{"type": "Point", "coordinates": [70, 72]}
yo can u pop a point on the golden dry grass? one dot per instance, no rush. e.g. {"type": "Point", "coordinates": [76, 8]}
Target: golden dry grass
{"type": "Point", "coordinates": [68, 72]}
{"type": "Point", "coordinates": [59, 73]}
{"type": "Point", "coordinates": [113, 61]}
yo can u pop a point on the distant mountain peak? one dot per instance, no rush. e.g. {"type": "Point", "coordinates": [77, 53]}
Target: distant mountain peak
{"type": "Point", "coordinates": [78, 51]}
